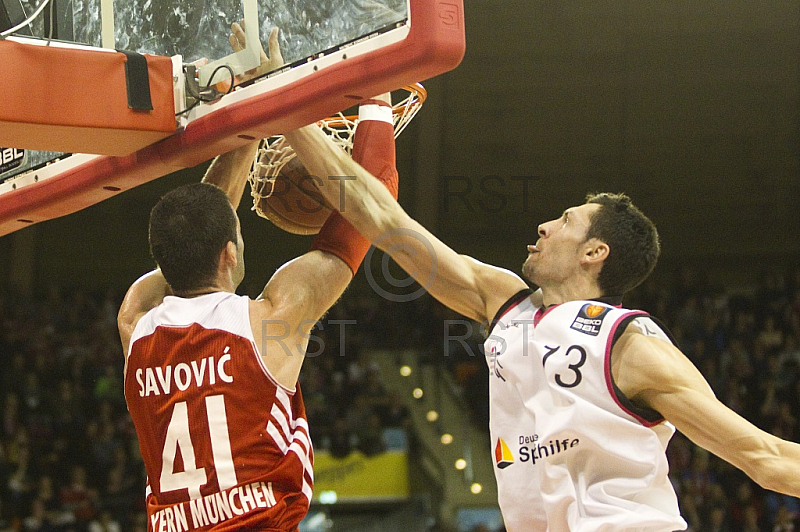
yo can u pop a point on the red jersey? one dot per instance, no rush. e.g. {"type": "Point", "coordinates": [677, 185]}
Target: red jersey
{"type": "Point", "coordinates": [225, 446]}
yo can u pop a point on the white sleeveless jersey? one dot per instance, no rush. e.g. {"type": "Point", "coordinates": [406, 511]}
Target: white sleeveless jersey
{"type": "Point", "coordinates": [572, 454]}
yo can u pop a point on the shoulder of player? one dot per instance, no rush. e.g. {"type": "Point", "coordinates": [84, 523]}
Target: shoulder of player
{"type": "Point", "coordinates": [126, 325]}
{"type": "Point", "coordinates": [629, 338]}
{"type": "Point", "coordinates": [506, 311]}
{"type": "Point", "coordinates": [641, 362]}
{"type": "Point", "coordinates": [279, 315]}
{"type": "Point", "coordinates": [635, 340]}
{"type": "Point", "coordinates": [262, 307]}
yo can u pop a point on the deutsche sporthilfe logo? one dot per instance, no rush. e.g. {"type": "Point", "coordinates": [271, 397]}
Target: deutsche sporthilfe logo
{"type": "Point", "coordinates": [502, 454]}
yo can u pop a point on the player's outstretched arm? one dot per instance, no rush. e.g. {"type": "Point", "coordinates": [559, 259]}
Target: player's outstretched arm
{"type": "Point", "coordinates": [229, 171]}
{"type": "Point", "coordinates": [304, 289]}
{"type": "Point", "coordinates": [464, 284]}
{"type": "Point", "coordinates": [656, 374]}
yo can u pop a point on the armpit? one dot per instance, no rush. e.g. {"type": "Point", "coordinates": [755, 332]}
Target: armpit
{"type": "Point", "coordinates": [648, 326]}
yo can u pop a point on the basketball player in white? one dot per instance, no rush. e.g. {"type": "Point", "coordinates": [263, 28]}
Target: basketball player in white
{"type": "Point", "coordinates": [584, 395]}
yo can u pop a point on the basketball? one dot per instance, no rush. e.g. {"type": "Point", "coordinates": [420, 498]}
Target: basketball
{"type": "Point", "coordinates": [293, 203]}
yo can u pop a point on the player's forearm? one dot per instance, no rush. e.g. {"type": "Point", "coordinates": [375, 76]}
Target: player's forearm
{"type": "Point", "coordinates": [229, 171]}
{"type": "Point", "coordinates": [361, 198]}
{"type": "Point", "coordinates": [777, 468]}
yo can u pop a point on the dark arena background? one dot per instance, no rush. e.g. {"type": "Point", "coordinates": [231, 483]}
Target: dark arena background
{"type": "Point", "coordinates": [691, 108]}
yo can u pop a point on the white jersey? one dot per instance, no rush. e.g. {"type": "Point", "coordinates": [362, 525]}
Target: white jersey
{"type": "Point", "coordinates": [572, 453]}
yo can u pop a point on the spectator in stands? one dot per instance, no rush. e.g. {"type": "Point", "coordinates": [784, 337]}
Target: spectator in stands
{"type": "Point", "coordinates": [340, 443]}
{"type": "Point", "coordinates": [38, 520]}
{"type": "Point", "coordinates": [718, 520]}
{"type": "Point", "coordinates": [78, 498]}
{"type": "Point", "coordinates": [396, 414]}
{"type": "Point", "coordinates": [104, 522]}
{"type": "Point", "coordinates": [20, 481]}
{"type": "Point", "coordinates": [785, 521]}
{"type": "Point", "coordinates": [370, 436]}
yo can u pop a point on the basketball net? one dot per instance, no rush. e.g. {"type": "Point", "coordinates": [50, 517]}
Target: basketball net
{"type": "Point", "coordinates": [274, 152]}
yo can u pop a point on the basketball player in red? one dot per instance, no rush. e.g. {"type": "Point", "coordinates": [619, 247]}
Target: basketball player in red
{"type": "Point", "coordinates": [210, 376]}
{"type": "Point", "coordinates": [584, 395]}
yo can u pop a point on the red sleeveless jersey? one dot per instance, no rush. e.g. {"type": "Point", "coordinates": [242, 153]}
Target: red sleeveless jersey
{"type": "Point", "coordinates": [225, 446]}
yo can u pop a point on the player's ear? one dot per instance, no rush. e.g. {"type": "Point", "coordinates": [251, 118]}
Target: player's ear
{"type": "Point", "coordinates": [229, 254]}
{"type": "Point", "coordinates": [595, 252]}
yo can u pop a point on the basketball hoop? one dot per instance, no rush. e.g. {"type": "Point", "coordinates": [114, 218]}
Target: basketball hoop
{"type": "Point", "coordinates": [275, 152]}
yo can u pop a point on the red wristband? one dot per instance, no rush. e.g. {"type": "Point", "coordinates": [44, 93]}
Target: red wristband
{"type": "Point", "coordinates": [377, 156]}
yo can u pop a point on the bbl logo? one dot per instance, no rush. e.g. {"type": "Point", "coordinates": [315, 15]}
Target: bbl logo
{"type": "Point", "coordinates": [11, 158]}
{"type": "Point", "coordinates": [589, 319]}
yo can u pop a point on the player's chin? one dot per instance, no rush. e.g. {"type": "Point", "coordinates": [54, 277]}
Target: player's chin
{"type": "Point", "coordinates": [528, 268]}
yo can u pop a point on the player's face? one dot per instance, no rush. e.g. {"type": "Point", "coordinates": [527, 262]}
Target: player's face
{"type": "Point", "coordinates": [556, 256]}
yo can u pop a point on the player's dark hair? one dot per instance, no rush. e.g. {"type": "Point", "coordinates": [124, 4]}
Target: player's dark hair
{"type": "Point", "coordinates": [189, 228]}
{"type": "Point", "coordinates": [632, 240]}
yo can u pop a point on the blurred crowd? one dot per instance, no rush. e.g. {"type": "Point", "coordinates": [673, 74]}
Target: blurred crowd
{"type": "Point", "coordinates": [69, 456]}
{"type": "Point", "coordinates": [68, 452]}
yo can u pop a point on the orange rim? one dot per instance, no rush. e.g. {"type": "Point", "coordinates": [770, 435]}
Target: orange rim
{"type": "Point", "coordinates": [418, 94]}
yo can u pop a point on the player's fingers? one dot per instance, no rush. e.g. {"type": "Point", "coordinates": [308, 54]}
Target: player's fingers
{"type": "Point", "coordinates": [275, 48]}
{"type": "Point", "coordinates": [238, 34]}
{"type": "Point", "coordinates": [234, 43]}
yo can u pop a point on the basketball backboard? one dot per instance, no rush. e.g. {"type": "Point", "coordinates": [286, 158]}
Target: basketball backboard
{"type": "Point", "coordinates": [336, 52]}
{"type": "Point", "coordinates": [199, 29]}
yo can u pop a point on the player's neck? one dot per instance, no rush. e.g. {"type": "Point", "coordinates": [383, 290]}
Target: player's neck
{"type": "Point", "coordinates": [579, 289]}
{"type": "Point", "coordinates": [225, 281]}
{"type": "Point", "coordinates": [197, 292]}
